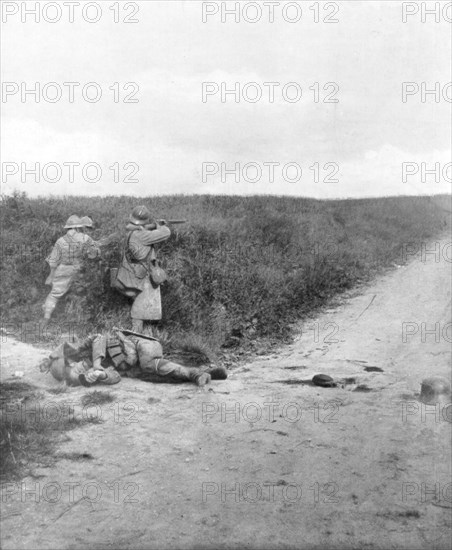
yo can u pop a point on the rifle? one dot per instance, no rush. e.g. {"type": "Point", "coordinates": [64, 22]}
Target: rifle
{"type": "Point", "coordinates": [132, 333]}
{"type": "Point", "coordinates": [174, 222]}
{"type": "Point", "coordinates": [154, 225]}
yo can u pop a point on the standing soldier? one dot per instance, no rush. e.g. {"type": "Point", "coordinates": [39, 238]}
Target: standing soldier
{"type": "Point", "coordinates": [65, 262]}
{"type": "Point", "coordinates": [139, 275]}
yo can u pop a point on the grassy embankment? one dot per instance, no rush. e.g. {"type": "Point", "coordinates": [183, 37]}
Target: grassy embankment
{"type": "Point", "coordinates": [240, 269]}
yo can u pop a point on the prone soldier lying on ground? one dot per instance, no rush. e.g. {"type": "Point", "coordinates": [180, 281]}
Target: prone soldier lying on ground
{"type": "Point", "coordinates": [99, 359]}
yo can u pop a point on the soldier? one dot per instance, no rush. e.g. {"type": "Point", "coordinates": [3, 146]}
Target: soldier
{"type": "Point", "coordinates": [98, 358]}
{"type": "Point", "coordinates": [65, 263]}
{"type": "Point", "coordinates": [83, 364]}
{"type": "Point", "coordinates": [139, 275]}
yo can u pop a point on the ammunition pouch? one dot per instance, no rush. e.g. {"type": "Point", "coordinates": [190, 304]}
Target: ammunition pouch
{"type": "Point", "coordinates": [122, 353]}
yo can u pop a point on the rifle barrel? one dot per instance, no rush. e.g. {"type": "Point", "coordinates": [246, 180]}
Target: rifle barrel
{"type": "Point", "coordinates": [174, 222]}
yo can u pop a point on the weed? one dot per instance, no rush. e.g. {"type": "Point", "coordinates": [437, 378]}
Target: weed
{"type": "Point", "coordinates": [191, 350]}
{"type": "Point", "coordinates": [97, 398]}
{"type": "Point", "coordinates": [58, 390]}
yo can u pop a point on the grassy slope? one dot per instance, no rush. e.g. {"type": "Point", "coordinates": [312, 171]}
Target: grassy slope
{"type": "Point", "coordinates": [241, 267]}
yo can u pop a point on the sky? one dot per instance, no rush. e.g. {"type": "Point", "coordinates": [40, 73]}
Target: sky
{"type": "Point", "coordinates": [365, 141]}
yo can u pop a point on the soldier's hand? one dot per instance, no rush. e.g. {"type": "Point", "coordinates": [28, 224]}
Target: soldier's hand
{"type": "Point", "coordinates": [117, 332]}
{"type": "Point", "coordinates": [149, 226]}
{"type": "Point", "coordinates": [162, 222]}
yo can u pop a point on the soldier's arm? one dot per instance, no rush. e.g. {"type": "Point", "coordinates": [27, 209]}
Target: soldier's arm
{"type": "Point", "coordinates": [104, 241]}
{"type": "Point", "coordinates": [154, 236]}
{"type": "Point", "coordinates": [90, 248]}
{"type": "Point", "coordinates": [99, 350]}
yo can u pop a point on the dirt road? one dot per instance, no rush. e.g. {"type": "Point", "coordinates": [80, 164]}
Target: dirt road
{"type": "Point", "coordinates": [262, 460]}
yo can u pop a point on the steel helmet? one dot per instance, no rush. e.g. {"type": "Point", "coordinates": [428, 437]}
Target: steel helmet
{"type": "Point", "coordinates": [73, 221]}
{"type": "Point", "coordinates": [87, 221]}
{"type": "Point", "coordinates": [435, 389]}
{"type": "Point", "coordinates": [323, 380]}
{"type": "Point", "coordinates": [140, 215]}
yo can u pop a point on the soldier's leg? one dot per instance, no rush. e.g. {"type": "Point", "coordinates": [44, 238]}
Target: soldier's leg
{"type": "Point", "coordinates": [61, 283]}
{"type": "Point", "coordinates": [49, 306]}
{"type": "Point", "coordinates": [175, 372]}
{"type": "Point", "coordinates": [151, 361]}
{"type": "Point", "coordinates": [99, 350]}
{"type": "Point", "coordinates": [136, 313]}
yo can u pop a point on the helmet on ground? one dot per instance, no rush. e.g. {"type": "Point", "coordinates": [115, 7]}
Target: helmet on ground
{"type": "Point", "coordinates": [217, 373]}
{"type": "Point", "coordinates": [323, 380]}
{"type": "Point", "coordinates": [435, 389]}
{"type": "Point", "coordinates": [87, 221]}
{"type": "Point", "coordinates": [140, 215]}
{"type": "Point", "coordinates": [72, 222]}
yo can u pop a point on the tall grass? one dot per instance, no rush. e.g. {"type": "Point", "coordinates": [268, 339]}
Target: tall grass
{"type": "Point", "coordinates": [242, 267]}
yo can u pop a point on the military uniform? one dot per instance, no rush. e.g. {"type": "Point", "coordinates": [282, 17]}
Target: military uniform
{"type": "Point", "coordinates": [134, 274]}
{"type": "Point", "coordinates": [65, 262]}
{"type": "Point", "coordinates": [73, 364]}
{"type": "Point", "coordinates": [98, 358]}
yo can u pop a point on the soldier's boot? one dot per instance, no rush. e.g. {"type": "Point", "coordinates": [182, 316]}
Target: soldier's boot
{"type": "Point", "coordinates": [200, 378]}
{"type": "Point", "coordinates": [217, 373]}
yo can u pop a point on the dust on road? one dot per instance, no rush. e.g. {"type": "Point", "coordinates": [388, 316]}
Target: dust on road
{"type": "Point", "coordinates": [264, 460]}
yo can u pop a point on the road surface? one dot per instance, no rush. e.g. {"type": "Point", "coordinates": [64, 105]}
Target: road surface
{"type": "Point", "coordinates": [264, 460]}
